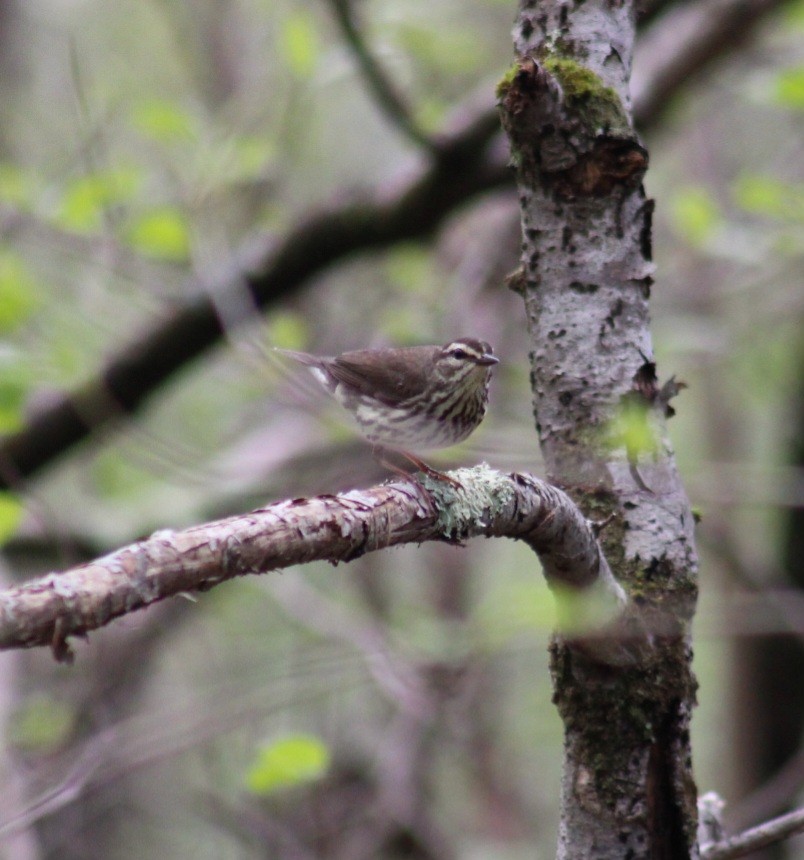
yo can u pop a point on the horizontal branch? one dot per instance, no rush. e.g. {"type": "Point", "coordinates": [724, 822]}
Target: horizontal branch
{"type": "Point", "coordinates": [332, 528]}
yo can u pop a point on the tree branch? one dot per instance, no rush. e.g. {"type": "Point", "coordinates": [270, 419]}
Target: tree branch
{"type": "Point", "coordinates": [333, 528]}
{"type": "Point", "coordinates": [686, 40]}
{"type": "Point", "coordinates": [377, 82]}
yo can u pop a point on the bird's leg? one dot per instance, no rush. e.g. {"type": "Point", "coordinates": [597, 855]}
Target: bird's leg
{"type": "Point", "coordinates": [381, 455]}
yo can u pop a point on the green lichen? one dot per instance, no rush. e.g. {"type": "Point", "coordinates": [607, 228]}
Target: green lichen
{"type": "Point", "coordinates": [597, 105]}
{"type": "Point", "coordinates": [506, 81]}
{"type": "Point", "coordinates": [460, 507]}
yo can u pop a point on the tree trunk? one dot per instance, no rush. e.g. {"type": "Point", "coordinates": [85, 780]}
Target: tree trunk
{"type": "Point", "coordinates": [601, 416]}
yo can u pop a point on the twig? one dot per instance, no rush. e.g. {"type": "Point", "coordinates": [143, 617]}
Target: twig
{"type": "Point", "coordinates": [773, 794]}
{"type": "Point", "coordinates": [395, 676]}
{"type": "Point", "coordinates": [684, 41]}
{"type": "Point", "coordinates": [755, 838]}
{"type": "Point", "coordinates": [387, 98]}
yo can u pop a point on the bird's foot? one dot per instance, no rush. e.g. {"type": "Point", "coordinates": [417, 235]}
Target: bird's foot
{"type": "Point", "coordinates": [383, 458]}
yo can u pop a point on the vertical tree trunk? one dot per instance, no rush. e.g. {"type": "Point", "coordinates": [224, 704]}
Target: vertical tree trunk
{"type": "Point", "coordinates": [601, 416]}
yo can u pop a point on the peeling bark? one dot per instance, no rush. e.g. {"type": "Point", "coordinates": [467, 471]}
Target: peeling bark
{"type": "Point", "coordinates": [339, 528]}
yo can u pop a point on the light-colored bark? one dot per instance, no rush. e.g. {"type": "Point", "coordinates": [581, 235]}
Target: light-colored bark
{"type": "Point", "coordinates": [586, 279]}
{"type": "Point", "coordinates": [482, 502]}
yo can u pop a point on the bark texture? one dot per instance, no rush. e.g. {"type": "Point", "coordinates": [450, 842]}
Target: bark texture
{"type": "Point", "coordinates": [333, 528]}
{"type": "Point", "coordinates": [586, 278]}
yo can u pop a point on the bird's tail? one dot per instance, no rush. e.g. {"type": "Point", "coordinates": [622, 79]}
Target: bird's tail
{"type": "Point", "coordinates": [302, 357]}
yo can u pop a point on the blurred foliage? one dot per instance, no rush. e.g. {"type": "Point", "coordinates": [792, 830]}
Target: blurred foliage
{"type": "Point", "coordinates": [299, 43]}
{"type": "Point", "coordinates": [695, 214]}
{"type": "Point", "coordinates": [86, 200]}
{"type": "Point", "coordinates": [11, 510]}
{"type": "Point", "coordinates": [164, 122]}
{"type": "Point", "coordinates": [790, 88]}
{"type": "Point", "coordinates": [16, 186]}
{"type": "Point", "coordinates": [18, 291]}
{"type": "Point", "coordinates": [633, 429]}
{"type": "Point", "coordinates": [287, 330]}
{"type": "Point", "coordinates": [14, 390]}
{"type": "Point", "coordinates": [287, 762]}
{"type": "Point", "coordinates": [41, 724]}
{"type": "Point", "coordinates": [767, 195]}
{"type": "Point", "coordinates": [162, 234]}
{"type": "Point", "coordinates": [410, 268]}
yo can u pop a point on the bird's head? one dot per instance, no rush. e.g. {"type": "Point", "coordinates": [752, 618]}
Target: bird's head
{"type": "Point", "coordinates": [465, 361]}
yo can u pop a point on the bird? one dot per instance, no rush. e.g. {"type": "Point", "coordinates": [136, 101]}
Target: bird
{"type": "Point", "coordinates": [420, 397]}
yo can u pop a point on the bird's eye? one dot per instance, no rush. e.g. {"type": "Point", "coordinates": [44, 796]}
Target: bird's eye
{"type": "Point", "coordinates": [459, 353]}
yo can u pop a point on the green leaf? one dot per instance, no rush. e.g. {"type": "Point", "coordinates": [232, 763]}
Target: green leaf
{"type": "Point", "coordinates": [15, 383]}
{"type": "Point", "coordinates": [766, 195]}
{"type": "Point", "coordinates": [287, 330]}
{"type": "Point", "coordinates": [18, 293]}
{"type": "Point", "coordinates": [450, 51]}
{"type": "Point", "coordinates": [87, 197]}
{"type": "Point", "coordinates": [251, 154]}
{"type": "Point", "coordinates": [789, 90]}
{"type": "Point", "coordinates": [116, 476]}
{"type": "Point", "coordinates": [289, 761]}
{"type": "Point", "coordinates": [402, 322]}
{"type": "Point", "coordinates": [793, 14]}
{"type": "Point", "coordinates": [163, 121]}
{"type": "Point", "coordinates": [41, 725]}
{"type": "Point", "coordinates": [631, 428]}
{"type": "Point", "coordinates": [10, 516]}
{"type": "Point", "coordinates": [578, 612]}
{"type": "Point", "coordinates": [513, 608]}
{"type": "Point", "coordinates": [16, 187]}
{"type": "Point", "coordinates": [409, 266]}
{"type": "Point", "coordinates": [431, 112]}
{"type": "Point", "coordinates": [299, 43]}
{"type": "Point", "coordinates": [695, 214]}
{"type": "Point", "coordinates": [162, 234]}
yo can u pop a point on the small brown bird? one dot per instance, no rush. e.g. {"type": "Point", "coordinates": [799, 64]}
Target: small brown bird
{"type": "Point", "coordinates": [411, 397]}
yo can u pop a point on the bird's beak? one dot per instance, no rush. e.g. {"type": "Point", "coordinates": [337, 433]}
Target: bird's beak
{"type": "Point", "coordinates": [487, 360]}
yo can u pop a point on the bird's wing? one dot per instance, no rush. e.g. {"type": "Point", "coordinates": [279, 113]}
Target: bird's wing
{"type": "Point", "coordinates": [401, 375]}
